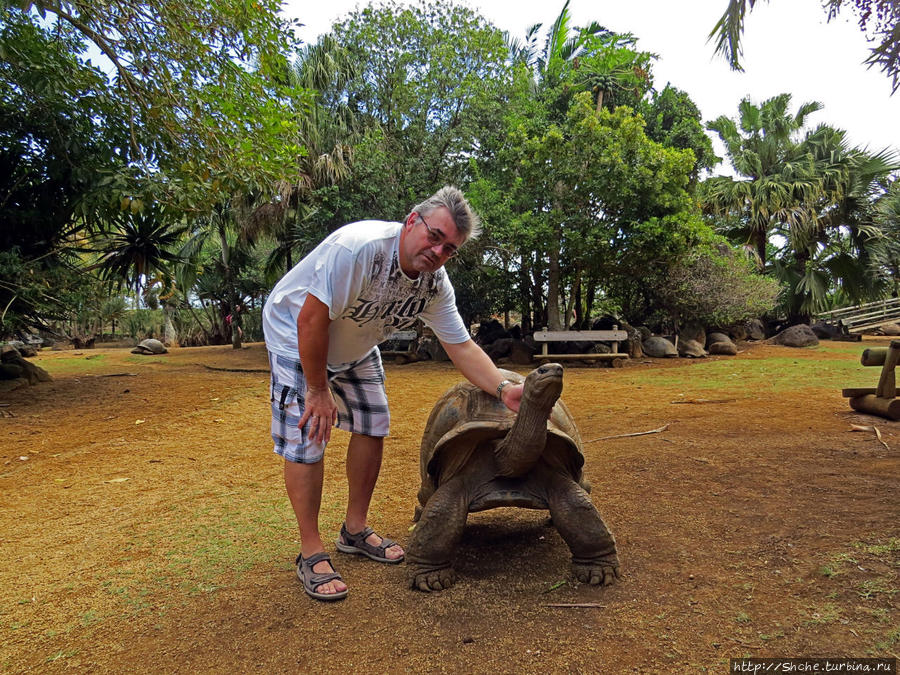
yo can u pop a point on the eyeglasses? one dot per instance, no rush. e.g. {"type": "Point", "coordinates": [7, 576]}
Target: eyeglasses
{"type": "Point", "coordinates": [436, 237]}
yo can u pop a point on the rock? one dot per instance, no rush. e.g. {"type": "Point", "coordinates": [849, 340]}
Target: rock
{"type": "Point", "coordinates": [693, 330]}
{"type": "Point", "coordinates": [11, 371]}
{"type": "Point", "coordinates": [755, 328]}
{"type": "Point", "coordinates": [13, 362]}
{"type": "Point", "coordinates": [489, 332]}
{"type": "Point", "coordinates": [658, 348]}
{"type": "Point", "coordinates": [520, 353]}
{"type": "Point", "coordinates": [825, 331]}
{"type": "Point", "coordinates": [737, 333]}
{"type": "Point", "coordinates": [716, 337]}
{"type": "Point", "coordinates": [431, 349]}
{"type": "Point", "coordinates": [691, 349]}
{"type": "Point", "coordinates": [722, 348]}
{"type": "Point", "coordinates": [606, 322]}
{"type": "Point", "coordinates": [891, 329]}
{"type": "Point", "coordinates": [800, 335]}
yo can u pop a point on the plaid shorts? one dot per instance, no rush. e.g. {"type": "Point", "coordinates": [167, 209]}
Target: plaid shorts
{"type": "Point", "coordinates": [358, 393]}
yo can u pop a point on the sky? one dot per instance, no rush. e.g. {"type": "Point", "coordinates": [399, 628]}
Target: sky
{"type": "Point", "coordinates": [788, 47]}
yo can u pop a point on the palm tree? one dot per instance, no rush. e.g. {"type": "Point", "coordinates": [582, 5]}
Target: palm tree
{"type": "Point", "coordinates": [807, 195]}
{"type": "Point", "coordinates": [881, 18]}
{"type": "Point", "coordinates": [778, 178]}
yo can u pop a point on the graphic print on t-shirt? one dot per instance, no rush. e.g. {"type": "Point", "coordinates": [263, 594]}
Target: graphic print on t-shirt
{"type": "Point", "coordinates": [391, 297]}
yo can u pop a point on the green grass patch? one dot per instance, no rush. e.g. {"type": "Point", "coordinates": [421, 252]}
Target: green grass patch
{"type": "Point", "coordinates": [202, 549]}
{"type": "Point", "coordinates": [779, 374]}
{"type": "Point", "coordinates": [89, 364]}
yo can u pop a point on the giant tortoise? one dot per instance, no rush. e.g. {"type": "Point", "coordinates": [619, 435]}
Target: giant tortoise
{"type": "Point", "coordinates": [476, 454]}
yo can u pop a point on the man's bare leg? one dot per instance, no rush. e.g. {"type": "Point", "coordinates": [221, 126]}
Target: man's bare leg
{"type": "Point", "coordinates": [304, 488]}
{"type": "Point", "coordinates": [363, 465]}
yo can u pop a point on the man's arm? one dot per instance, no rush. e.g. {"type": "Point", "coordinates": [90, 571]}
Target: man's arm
{"type": "Point", "coordinates": [478, 368]}
{"type": "Point", "coordinates": [312, 341]}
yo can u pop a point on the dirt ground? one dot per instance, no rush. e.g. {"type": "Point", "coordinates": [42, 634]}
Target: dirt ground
{"type": "Point", "coordinates": [144, 525]}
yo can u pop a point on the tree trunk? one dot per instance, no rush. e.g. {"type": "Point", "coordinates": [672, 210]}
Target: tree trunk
{"type": "Point", "coordinates": [229, 283]}
{"type": "Point", "coordinates": [170, 337]}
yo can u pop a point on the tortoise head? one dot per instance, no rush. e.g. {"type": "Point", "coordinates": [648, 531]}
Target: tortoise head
{"type": "Point", "coordinates": [543, 387]}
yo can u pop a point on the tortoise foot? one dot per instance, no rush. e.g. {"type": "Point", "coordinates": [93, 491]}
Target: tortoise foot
{"type": "Point", "coordinates": [599, 573]}
{"type": "Point", "coordinates": [428, 579]}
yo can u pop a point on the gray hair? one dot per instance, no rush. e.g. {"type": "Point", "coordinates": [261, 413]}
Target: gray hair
{"type": "Point", "coordinates": [451, 198]}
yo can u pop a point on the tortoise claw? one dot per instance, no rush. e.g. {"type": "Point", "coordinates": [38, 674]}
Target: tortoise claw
{"type": "Point", "coordinates": [432, 579]}
{"type": "Point", "coordinates": [596, 574]}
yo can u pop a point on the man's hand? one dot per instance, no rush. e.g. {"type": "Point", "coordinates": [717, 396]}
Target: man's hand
{"type": "Point", "coordinates": [321, 412]}
{"type": "Point", "coordinates": [512, 396]}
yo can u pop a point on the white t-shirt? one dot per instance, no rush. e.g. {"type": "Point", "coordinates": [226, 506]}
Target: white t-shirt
{"type": "Point", "coordinates": [356, 272]}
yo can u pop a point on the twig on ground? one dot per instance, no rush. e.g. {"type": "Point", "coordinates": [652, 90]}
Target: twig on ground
{"type": "Point", "coordinates": [237, 370]}
{"type": "Point", "coordinates": [859, 427]}
{"type": "Point", "coordinates": [117, 375]}
{"type": "Point", "coordinates": [706, 400]}
{"type": "Point", "coordinates": [636, 433]}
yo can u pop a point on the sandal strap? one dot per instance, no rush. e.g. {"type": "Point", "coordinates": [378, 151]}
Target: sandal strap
{"type": "Point", "coordinates": [314, 559]}
{"type": "Point", "coordinates": [316, 579]}
{"type": "Point", "coordinates": [359, 539]}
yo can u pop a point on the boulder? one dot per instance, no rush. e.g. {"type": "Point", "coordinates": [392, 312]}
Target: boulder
{"type": "Point", "coordinates": [658, 348]}
{"type": "Point", "coordinates": [431, 349]}
{"type": "Point", "coordinates": [692, 330]}
{"type": "Point", "coordinates": [824, 330]}
{"type": "Point", "coordinates": [756, 329]}
{"type": "Point", "coordinates": [716, 337]}
{"type": "Point", "coordinates": [723, 348]}
{"type": "Point", "coordinates": [800, 335]}
{"type": "Point", "coordinates": [14, 363]}
{"type": "Point", "coordinates": [691, 349]}
{"type": "Point", "coordinates": [489, 332]}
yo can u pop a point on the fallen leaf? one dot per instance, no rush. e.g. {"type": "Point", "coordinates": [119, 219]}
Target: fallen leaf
{"type": "Point", "coordinates": [139, 421]}
{"type": "Point", "coordinates": [24, 458]}
{"type": "Point", "coordinates": [218, 419]}
{"type": "Point", "coordinates": [214, 399]}
{"type": "Point", "coordinates": [116, 480]}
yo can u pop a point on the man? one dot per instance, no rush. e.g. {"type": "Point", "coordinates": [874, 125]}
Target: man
{"type": "Point", "coordinates": [362, 283]}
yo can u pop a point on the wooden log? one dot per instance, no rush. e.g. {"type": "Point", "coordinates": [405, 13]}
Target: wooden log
{"type": "Point", "coordinates": [887, 383]}
{"type": "Point", "coordinates": [859, 391]}
{"type": "Point", "coordinates": [873, 405]}
{"type": "Point", "coordinates": [874, 356]}
{"type": "Point", "coordinates": [576, 357]}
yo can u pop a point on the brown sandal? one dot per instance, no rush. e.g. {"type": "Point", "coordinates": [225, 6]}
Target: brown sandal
{"type": "Point", "coordinates": [356, 543]}
{"type": "Point", "coordinates": [312, 580]}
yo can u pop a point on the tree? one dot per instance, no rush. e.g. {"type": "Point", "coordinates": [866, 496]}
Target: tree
{"type": "Point", "coordinates": [598, 197]}
{"type": "Point", "coordinates": [764, 147]}
{"type": "Point", "coordinates": [674, 120]}
{"type": "Point", "coordinates": [195, 83]}
{"type": "Point", "coordinates": [58, 144]}
{"type": "Point", "coordinates": [428, 93]}
{"type": "Point", "coordinates": [878, 19]}
{"type": "Point", "coordinates": [804, 203]}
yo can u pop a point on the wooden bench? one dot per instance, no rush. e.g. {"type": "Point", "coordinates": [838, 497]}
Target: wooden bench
{"type": "Point", "coordinates": [408, 336]}
{"type": "Point", "coordinates": [881, 400]}
{"type": "Point", "coordinates": [614, 336]}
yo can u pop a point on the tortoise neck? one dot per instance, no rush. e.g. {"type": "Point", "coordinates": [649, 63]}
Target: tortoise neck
{"type": "Point", "coordinates": [518, 453]}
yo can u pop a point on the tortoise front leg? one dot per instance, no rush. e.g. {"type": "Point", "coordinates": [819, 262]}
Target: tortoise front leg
{"type": "Point", "coordinates": [440, 527]}
{"type": "Point", "coordinates": [594, 558]}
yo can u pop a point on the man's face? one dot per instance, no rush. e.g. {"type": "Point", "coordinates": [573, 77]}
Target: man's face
{"type": "Point", "coordinates": [428, 241]}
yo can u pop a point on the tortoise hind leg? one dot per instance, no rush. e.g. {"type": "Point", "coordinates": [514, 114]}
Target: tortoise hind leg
{"type": "Point", "coordinates": [594, 558]}
{"type": "Point", "coordinates": [435, 537]}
